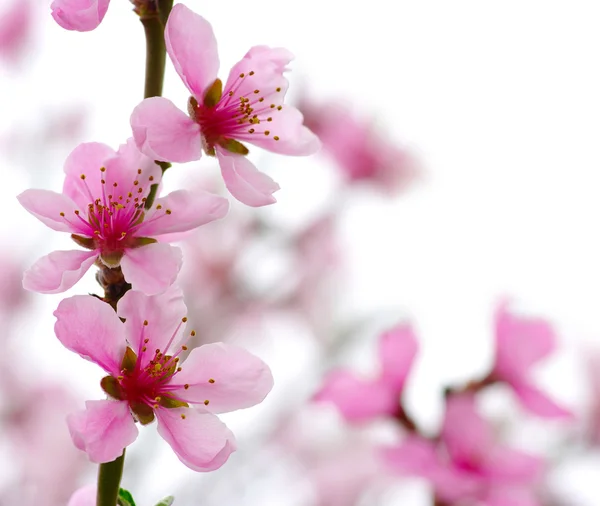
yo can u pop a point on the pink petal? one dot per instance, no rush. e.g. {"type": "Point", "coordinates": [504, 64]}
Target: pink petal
{"type": "Point", "coordinates": [85, 496]}
{"type": "Point", "coordinates": [200, 440]}
{"type": "Point", "coordinates": [279, 57]}
{"type": "Point", "coordinates": [87, 159]}
{"type": "Point", "coordinates": [512, 466]}
{"type": "Point", "coordinates": [294, 138]}
{"type": "Point", "coordinates": [356, 398]}
{"type": "Point", "coordinates": [466, 434]}
{"type": "Point", "coordinates": [16, 29]}
{"type": "Point", "coordinates": [103, 430]}
{"type": "Point", "coordinates": [123, 169]}
{"type": "Point", "coordinates": [511, 496]}
{"type": "Point", "coordinates": [189, 210]}
{"type": "Point", "coordinates": [244, 181]}
{"type": "Point", "coordinates": [152, 268]}
{"type": "Point", "coordinates": [520, 343]}
{"type": "Point", "coordinates": [397, 350]}
{"type": "Point", "coordinates": [414, 456]}
{"type": "Point", "coordinates": [192, 47]}
{"type": "Point", "coordinates": [47, 205]}
{"type": "Point", "coordinates": [79, 15]}
{"type": "Point", "coordinates": [162, 312]}
{"type": "Point", "coordinates": [163, 132]}
{"type": "Point", "coordinates": [538, 403]}
{"type": "Point", "coordinates": [58, 271]}
{"type": "Point", "coordinates": [240, 379]}
{"type": "Point", "coordinates": [91, 328]}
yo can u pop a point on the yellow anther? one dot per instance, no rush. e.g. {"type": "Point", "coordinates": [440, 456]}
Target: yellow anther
{"type": "Point", "coordinates": [184, 319]}
{"type": "Point", "coordinates": [186, 386]}
{"type": "Point", "coordinates": [206, 402]}
{"type": "Point", "coordinates": [276, 137]}
{"type": "Point", "coordinates": [182, 416]}
{"type": "Point", "coordinates": [62, 214]}
{"type": "Point", "coordinates": [168, 211]}
{"type": "Point", "coordinates": [211, 380]}
{"type": "Point", "coordinates": [193, 333]}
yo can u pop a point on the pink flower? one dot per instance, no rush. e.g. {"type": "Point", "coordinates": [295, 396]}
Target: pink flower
{"type": "Point", "coordinates": [250, 108]}
{"type": "Point", "coordinates": [361, 153]}
{"type": "Point", "coordinates": [468, 463]}
{"type": "Point", "coordinates": [520, 344]}
{"type": "Point", "coordinates": [145, 380]}
{"type": "Point", "coordinates": [360, 399]}
{"type": "Point", "coordinates": [102, 206]}
{"type": "Point", "coordinates": [79, 15]}
{"type": "Point", "coordinates": [15, 29]}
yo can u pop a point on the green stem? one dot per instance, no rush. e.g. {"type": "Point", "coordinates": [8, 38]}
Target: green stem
{"type": "Point", "coordinates": [109, 481]}
{"type": "Point", "coordinates": [154, 28]}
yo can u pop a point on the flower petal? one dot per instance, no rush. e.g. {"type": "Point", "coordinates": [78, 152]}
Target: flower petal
{"type": "Point", "coordinates": [128, 165]}
{"type": "Point", "coordinates": [293, 137]}
{"type": "Point", "coordinates": [520, 343]}
{"type": "Point", "coordinates": [356, 398]}
{"type": "Point", "coordinates": [244, 181]}
{"type": "Point", "coordinates": [397, 350]}
{"type": "Point", "coordinates": [86, 159]}
{"type": "Point", "coordinates": [47, 207]}
{"type": "Point", "coordinates": [162, 312]}
{"type": "Point", "coordinates": [538, 403]}
{"type": "Point", "coordinates": [163, 132]}
{"type": "Point", "coordinates": [84, 496]}
{"type": "Point", "coordinates": [79, 15]}
{"type": "Point", "coordinates": [103, 430]}
{"type": "Point", "coordinates": [466, 434]}
{"type": "Point", "coordinates": [415, 456]}
{"type": "Point", "coordinates": [58, 271]}
{"type": "Point", "coordinates": [189, 210]}
{"type": "Point", "coordinates": [240, 378]}
{"type": "Point", "coordinates": [504, 464]}
{"type": "Point", "coordinates": [153, 268]}
{"type": "Point", "coordinates": [200, 440]}
{"type": "Point", "coordinates": [91, 328]}
{"type": "Point", "coordinates": [192, 47]}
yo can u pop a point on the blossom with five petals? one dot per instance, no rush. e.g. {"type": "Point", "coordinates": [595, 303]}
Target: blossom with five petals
{"type": "Point", "coordinates": [520, 344]}
{"type": "Point", "coordinates": [102, 206]}
{"type": "Point", "coordinates": [360, 399]}
{"type": "Point", "coordinates": [146, 380]}
{"type": "Point", "coordinates": [79, 15]}
{"type": "Point", "coordinates": [248, 108]}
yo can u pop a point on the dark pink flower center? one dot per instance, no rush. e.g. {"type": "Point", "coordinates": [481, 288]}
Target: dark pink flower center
{"type": "Point", "coordinates": [235, 115]}
{"type": "Point", "coordinates": [112, 219]}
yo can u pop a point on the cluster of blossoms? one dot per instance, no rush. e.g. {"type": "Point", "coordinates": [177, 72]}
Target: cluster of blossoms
{"type": "Point", "coordinates": [465, 463]}
{"type": "Point", "coordinates": [111, 206]}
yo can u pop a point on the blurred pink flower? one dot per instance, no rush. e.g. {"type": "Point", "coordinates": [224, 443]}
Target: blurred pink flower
{"type": "Point", "coordinates": [48, 466]}
{"type": "Point", "coordinates": [102, 206]}
{"type": "Point", "coordinates": [360, 399]}
{"type": "Point", "coordinates": [467, 463]}
{"type": "Point", "coordinates": [15, 29]}
{"type": "Point", "coordinates": [520, 344]}
{"type": "Point", "coordinates": [79, 15]}
{"type": "Point", "coordinates": [361, 153]}
{"type": "Point", "coordinates": [12, 294]}
{"type": "Point", "coordinates": [220, 118]}
{"type": "Point", "coordinates": [146, 381]}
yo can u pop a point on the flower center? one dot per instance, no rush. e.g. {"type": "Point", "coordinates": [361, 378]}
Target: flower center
{"type": "Point", "coordinates": [235, 113]}
{"type": "Point", "coordinates": [145, 384]}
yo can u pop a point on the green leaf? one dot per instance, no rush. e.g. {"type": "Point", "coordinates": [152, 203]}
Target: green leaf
{"type": "Point", "coordinates": [167, 501]}
{"type": "Point", "coordinates": [125, 498]}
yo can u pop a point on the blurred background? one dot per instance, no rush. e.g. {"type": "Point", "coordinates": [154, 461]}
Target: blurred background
{"type": "Point", "coordinates": [459, 169]}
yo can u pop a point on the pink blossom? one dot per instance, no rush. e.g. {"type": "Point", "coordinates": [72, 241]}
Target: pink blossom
{"type": "Point", "coordinates": [520, 344]}
{"type": "Point", "coordinates": [361, 153]}
{"type": "Point", "coordinates": [467, 464]}
{"type": "Point", "coordinates": [79, 15]}
{"type": "Point", "coordinates": [145, 380]}
{"type": "Point", "coordinates": [360, 399]}
{"type": "Point", "coordinates": [102, 206]}
{"type": "Point", "coordinates": [249, 108]}
{"type": "Point", "coordinates": [15, 29]}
